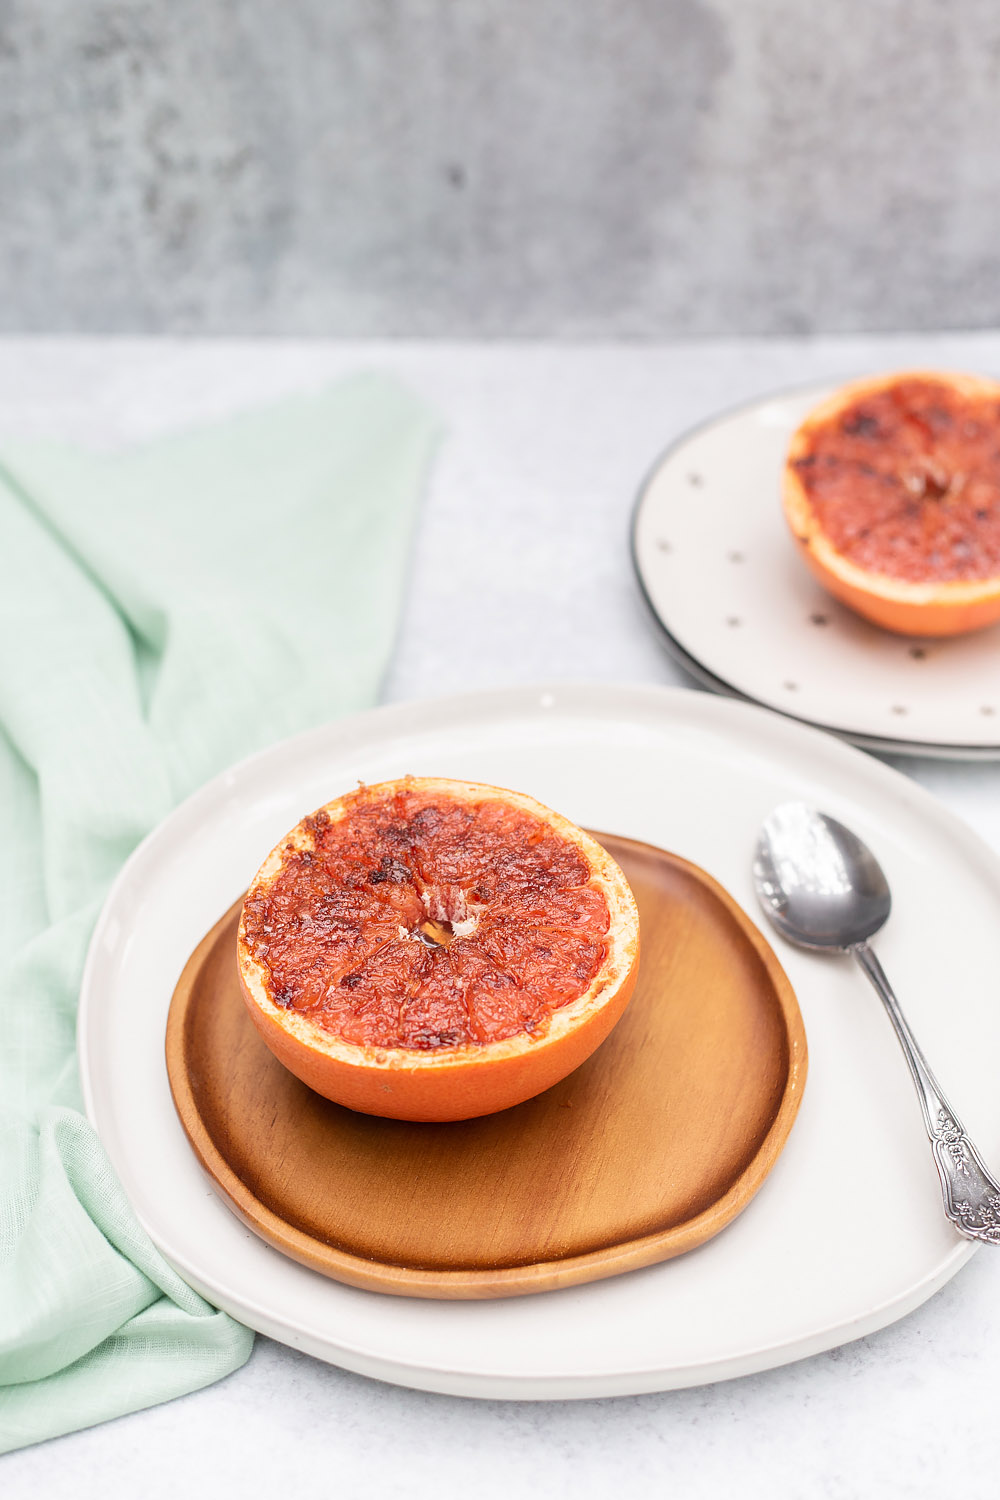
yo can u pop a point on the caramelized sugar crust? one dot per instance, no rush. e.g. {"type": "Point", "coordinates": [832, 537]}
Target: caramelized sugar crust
{"type": "Point", "coordinates": [905, 481]}
{"type": "Point", "coordinates": [422, 922]}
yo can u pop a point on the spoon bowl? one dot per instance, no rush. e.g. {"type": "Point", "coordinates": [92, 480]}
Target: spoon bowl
{"type": "Point", "coordinates": [821, 886]}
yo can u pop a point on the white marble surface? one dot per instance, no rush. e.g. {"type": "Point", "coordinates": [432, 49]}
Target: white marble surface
{"type": "Point", "coordinates": [521, 573]}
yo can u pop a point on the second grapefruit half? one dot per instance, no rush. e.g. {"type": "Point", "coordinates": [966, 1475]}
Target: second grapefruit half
{"type": "Point", "coordinates": [892, 491]}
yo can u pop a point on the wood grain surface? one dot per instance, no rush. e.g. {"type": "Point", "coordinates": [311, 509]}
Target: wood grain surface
{"type": "Point", "coordinates": [650, 1148]}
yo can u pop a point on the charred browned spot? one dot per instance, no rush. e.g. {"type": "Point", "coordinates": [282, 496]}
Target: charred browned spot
{"type": "Point", "coordinates": [428, 1040]}
{"type": "Point", "coordinates": [390, 869]}
{"type": "Point", "coordinates": [861, 424]}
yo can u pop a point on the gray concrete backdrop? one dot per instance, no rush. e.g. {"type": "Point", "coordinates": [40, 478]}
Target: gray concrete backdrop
{"type": "Point", "coordinates": [644, 168]}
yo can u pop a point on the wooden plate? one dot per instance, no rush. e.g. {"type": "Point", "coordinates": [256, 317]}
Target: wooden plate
{"type": "Point", "coordinates": [646, 1151]}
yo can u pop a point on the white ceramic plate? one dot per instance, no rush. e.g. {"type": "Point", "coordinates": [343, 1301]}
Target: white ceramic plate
{"type": "Point", "coordinates": [845, 1235]}
{"type": "Point", "coordinates": [742, 612]}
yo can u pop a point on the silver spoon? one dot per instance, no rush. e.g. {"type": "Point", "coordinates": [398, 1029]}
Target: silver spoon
{"type": "Point", "coordinates": [824, 889]}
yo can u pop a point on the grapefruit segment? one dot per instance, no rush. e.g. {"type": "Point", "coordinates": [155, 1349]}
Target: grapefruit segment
{"type": "Point", "coordinates": [892, 491]}
{"type": "Point", "coordinates": [429, 949]}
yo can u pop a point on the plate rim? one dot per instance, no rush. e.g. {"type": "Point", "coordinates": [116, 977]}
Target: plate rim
{"type": "Point", "coordinates": [704, 676]}
{"type": "Point", "coordinates": [443, 1376]}
{"type": "Point", "coordinates": [535, 1276]}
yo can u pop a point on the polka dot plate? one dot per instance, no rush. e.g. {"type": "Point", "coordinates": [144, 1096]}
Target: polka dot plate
{"type": "Point", "coordinates": [742, 613]}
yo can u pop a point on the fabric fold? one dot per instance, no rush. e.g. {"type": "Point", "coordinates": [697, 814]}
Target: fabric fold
{"type": "Point", "coordinates": [166, 611]}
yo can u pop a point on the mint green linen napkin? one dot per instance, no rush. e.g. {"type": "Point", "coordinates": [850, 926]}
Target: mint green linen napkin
{"type": "Point", "coordinates": [163, 612]}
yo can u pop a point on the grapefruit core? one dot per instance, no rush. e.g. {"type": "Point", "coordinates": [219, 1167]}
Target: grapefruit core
{"type": "Point", "coordinates": [427, 949]}
{"type": "Point", "coordinates": [892, 491]}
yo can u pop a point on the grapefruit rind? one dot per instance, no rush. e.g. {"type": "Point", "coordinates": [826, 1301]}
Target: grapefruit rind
{"type": "Point", "coordinates": [952, 607]}
{"type": "Point", "coordinates": [468, 1079]}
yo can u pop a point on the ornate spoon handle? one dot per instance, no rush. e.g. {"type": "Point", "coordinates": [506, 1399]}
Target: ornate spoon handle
{"type": "Point", "coordinates": [971, 1195]}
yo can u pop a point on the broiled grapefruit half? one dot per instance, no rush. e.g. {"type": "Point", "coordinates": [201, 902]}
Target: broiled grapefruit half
{"type": "Point", "coordinates": [428, 949]}
{"type": "Point", "coordinates": [892, 489]}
